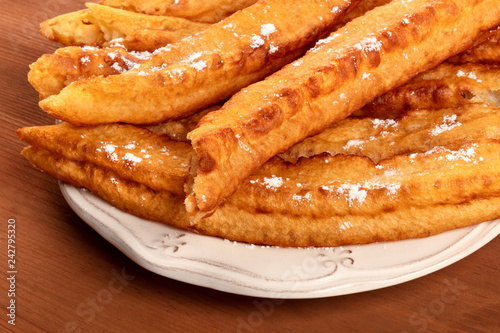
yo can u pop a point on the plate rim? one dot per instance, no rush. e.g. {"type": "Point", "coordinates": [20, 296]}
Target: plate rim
{"type": "Point", "coordinates": [223, 281]}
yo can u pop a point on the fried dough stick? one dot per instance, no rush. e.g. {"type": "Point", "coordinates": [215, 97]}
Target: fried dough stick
{"type": "Point", "coordinates": [322, 201]}
{"type": "Point", "coordinates": [133, 153]}
{"type": "Point", "coordinates": [66, 66]}
{"type": "Point", "coordinates": [367, 57]}
{"type": "Point", "coordinates": [52, 72]}
{"type": "Point", "coordinates": [127, 195]}
{"type": "Point", "coordinates": [205, 69]}
{"type": "Point", "coordinates": [444, 86]}
{"type": "Point", "coordinates": [270, 200]}
{"type": "Point", "coordinates": [162, 164]}
{"type": "Point", "coordinates": [210, 11]}
{"type": "Point", "coordinates": [64, 60]}
{"type": "Point", "coordinates": [102, 26]}
{"type": "Point", "coordinates": [414, 131]}
{"type": "Point", "coordinates": [486, 50]}
{"type": "Point", "coordinates": [352, 198]}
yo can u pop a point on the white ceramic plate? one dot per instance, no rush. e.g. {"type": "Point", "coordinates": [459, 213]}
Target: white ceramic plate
{"type": "Point", "coordinates": [273, 272]}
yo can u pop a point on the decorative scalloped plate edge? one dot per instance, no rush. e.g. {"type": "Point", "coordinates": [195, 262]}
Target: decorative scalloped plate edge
{"type": "Point", "coordinates": [273, 272]}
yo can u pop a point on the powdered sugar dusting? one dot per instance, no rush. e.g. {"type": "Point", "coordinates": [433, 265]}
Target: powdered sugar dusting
{"type": "Point", "coordinates": [131, 158]}
{"type": "Point", "coordinates": [336, 10]}
{"type": "Point", "coordinates": [267, 29]}
{"type": "Point", "coordinates": [273, 48]}
{"type": "Point", "coordinates": [466, 154]}
{"type": "Point", "coordinates": [257, 42]}
{"type": "Point", "coordinates": [84, 60]}
{"type": "Point", "coordinates": [369, 44]}
{"type": "Point", "coordinates": [144, 55]}
{"type": "Point", "coordinates": [324, 41]}
{"type": "Point", "coordinates": [470, 75]}
{"type": "Point", "coordinates": [116, 66]}
{"type": "Point", "coordinates": [305, 197]}
{"type": "Point", "coordinates": [383, 123]}
{"type": "Point", "coordinates": [358, 192]}
{"type": "Point", "coordinates": [353, 193]}
{"type": "Point", "coordinates": [273, 181]}
{"type": "Point", "coordinates": [449, 122]}
{"type": "Point", "coordinates": [353, 143]}
{"type": "Point", "coordinates": [110, 152]}
{"type": "Point", "coordinates": [199, 65]}
{"type": "Point", "coordinates": [117, 42]}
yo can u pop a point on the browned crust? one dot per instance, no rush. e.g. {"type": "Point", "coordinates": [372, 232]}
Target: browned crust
{"type": "Point", "coordinates": [132, 153]}
{"type": "Point", "coordinates": [129, 196]}
{"type": "Point", "coordinates": [202, 11]}
{"type": "Point", "coordinates": [486, 50]}
{"type": "Point", "coordinates": [446, 86]}
{"type": "Point", "coordinates": [203, 70]}
{"type": "Point", "coordinates": [415, 131]}
{"type": "Point", "coordinates": [322, 201]}
{"type": "Point", "coordinates": [101, 26]}
{"type": "Point", "coordinates": [369, 56]}
{"type": "Point", "coordinates": [52, 72]}
{"type": "Point", "coordinates": [179, 129]}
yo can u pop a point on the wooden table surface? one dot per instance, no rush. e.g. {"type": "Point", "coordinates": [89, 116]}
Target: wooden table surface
{"type": "Point", "coordinates": [62, 264]}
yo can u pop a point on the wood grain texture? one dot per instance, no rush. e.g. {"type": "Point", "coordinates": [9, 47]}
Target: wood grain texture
{"type": "Point", "coordinates": [62, 263]}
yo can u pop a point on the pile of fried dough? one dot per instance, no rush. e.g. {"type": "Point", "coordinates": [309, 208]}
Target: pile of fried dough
{"type": "Point", "coordinates": [289, 123]}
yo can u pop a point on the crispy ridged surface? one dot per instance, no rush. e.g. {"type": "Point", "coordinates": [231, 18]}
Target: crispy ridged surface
{"type": "Point", "coordinates": [64, 72]}
{"type": "Point", "coordinates": [416, 131]}
{"type": "Point", "coordinates": [322, 201]}
{"type": "Point", "coordinates": [200, 71]}
{"type": "Point", "coordinates": [102, 26]}
{"type": "Point", "coordinates": [361, 9]}
{"type": "Point", "coordinates": [326, 201]}
{"type": "Point", "coordinates": [52, 72]}
{"type": "Point", "coordinates": [366, 58]}
{"type": "Point", "coordinates": [133, 153]}
{"type": "Point", "coordinates": [487, 50]}
{"type": "Point", "coordinates": [428, 163]}
{"type": "Point", "coordinates": [202, 11]}
{"type": "Point", "coordinates": [445, 86]}
{"type": "Point", "coordinates": [129, 196]}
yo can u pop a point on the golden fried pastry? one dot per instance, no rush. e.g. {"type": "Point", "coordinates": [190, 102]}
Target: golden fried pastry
{"type": "Point", "coordinates": [105, 26]}
{"type": "Point", "coordinates": [211, 11]}
{"type": "Point", "coordinates": [64, 71]}
{"type": "Point", "coordinates": [200, 71]}
{"type": "Point", "coordinates": [415, 131]}
{"type": "Point", "coordinates": [486, 50]}
{"type": "Point", "coordinates": [329, 201]}
{"type": "Point", "coordinates": [321, 201]}
{"type": "Point", "coordinates": [133, 153]}
{"type": "Point", "coordinates": [429, 161]}
{"type": "Point", "coordinates": [367, 57]}
{"type": "Point", "coordinates": [179, 129]}
{"type": "Point", "coordinates": [445, 86]}
{"type": "Point", "coordinates": [52, 72]}
{"type": "Point", "coordinates": [127, 195]}
{"type": "Point", "coordinates": [75, 28]}
{"type": "Point", "coordinates": [361, 9]}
